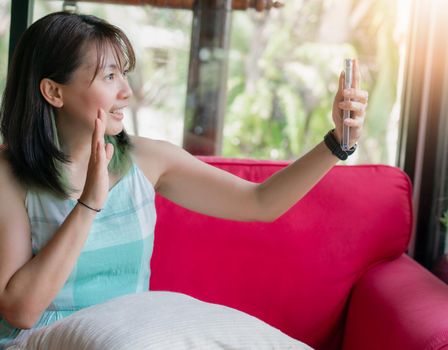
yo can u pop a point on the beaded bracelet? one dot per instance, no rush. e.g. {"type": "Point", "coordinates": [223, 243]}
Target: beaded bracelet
{"type": "Point", "coordinates": [84, 204]}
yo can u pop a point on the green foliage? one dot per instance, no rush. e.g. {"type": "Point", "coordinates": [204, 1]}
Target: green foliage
{"type": "Point", "coordinates": [4, 41]}
{"type": "Point", "coordinates": [282, 80]}
{"type": "Point", "coordinates": [444, 220]}
{"type": "Point", "coordinates": [283, 71]}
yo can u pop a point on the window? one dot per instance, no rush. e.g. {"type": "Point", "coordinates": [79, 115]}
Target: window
{"type": "Point", "coordinates": [5, 8]}
{"type": "Point", "coordinates": [283, 69]}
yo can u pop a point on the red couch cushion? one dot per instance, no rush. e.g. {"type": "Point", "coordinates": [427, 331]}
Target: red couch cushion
{"type": "Point", "coordinates": [403, 303]}
{"type": "Point", "coordinates": [297, 272]}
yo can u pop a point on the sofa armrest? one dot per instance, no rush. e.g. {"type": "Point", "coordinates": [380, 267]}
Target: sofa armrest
{"type": "Point", "coordinates": [398, 305]}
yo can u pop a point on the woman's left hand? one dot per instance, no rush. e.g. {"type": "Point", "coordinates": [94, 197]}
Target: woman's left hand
{"type": "Point", "coordinates": [357, 106]}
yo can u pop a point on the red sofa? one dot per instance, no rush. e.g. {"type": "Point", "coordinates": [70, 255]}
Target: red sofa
{"type": "Point", "coordinates": [332, 271]}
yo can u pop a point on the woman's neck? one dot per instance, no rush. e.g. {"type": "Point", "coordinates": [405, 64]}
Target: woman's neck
{"type": "Point", "coordinates": [74, 143]}
{"type": "Point", "coordinates": [77, 147]}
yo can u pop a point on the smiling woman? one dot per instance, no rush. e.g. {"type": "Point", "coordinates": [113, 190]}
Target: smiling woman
{"type": "Point", "coordinates": [77, 214]}
{"type": "Point", "coordinates": [69, 95]}
{"type": "Point", "coordinates": [88, 89]}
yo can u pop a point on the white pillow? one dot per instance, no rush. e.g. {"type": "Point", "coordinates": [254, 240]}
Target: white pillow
{"type": "Point", "coordinates": [159, 320]}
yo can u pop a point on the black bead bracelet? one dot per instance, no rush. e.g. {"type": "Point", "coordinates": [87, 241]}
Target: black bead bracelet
{"type": "Point", "coordinates": [89, 207]}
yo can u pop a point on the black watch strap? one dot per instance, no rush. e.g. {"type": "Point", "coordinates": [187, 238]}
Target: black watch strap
{"type": "Point", "coordinates": [335, 147]}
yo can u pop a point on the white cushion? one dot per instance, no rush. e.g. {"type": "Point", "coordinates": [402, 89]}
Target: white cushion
{"type": "Point", "coordinates": [159, 320]}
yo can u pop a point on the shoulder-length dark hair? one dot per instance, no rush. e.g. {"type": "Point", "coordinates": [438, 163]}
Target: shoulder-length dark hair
{"type": "Point", "coordinates": [53, 47]}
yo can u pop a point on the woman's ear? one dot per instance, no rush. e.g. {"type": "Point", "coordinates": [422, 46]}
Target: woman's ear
{"type": "Point", "coordinates": [52, 92]}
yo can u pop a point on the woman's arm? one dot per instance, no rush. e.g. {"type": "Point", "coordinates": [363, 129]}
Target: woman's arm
{"type": "Point", "coordinates": [197, 186]}
{"type": "Point", "coordinates": [29, 284]}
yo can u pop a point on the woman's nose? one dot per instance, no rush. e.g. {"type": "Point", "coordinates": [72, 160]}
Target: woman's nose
{"type": "Point", "coordinates": [125, 91]}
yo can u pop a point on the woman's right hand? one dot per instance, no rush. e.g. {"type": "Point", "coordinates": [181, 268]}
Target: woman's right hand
{"type": "Point", "coordinates": [96, 186]}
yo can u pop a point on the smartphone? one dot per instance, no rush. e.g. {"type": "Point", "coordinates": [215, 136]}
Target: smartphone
{"type": "Point", "coordinates": [348, 70]}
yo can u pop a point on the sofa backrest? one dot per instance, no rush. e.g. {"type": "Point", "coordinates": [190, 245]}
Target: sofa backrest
{"type": "Point", "coordinates": [297, 272]}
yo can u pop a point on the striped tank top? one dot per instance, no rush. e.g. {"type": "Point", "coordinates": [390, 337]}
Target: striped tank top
{"type": "Point", "coordinates": [116, 255]}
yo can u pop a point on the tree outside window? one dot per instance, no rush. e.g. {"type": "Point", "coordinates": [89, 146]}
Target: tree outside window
{"type": "Point", "coordinates": [283, 69]}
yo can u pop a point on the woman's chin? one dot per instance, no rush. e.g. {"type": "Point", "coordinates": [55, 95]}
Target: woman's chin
{"type": "Point", "coordinates": [113, 130]}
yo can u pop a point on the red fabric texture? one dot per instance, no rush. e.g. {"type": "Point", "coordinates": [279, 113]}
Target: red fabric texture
{"type": "Point", "coordinates": [390, 310]}
{"type": "Point", "coordinates": [297, 272]}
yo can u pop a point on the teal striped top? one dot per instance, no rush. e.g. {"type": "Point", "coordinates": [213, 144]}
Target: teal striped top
{"type": "Point", "coordinates": [115, 258]}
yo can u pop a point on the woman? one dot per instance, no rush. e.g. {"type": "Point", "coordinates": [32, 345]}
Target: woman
{"type": "Point", "coordinates": [77, 212]}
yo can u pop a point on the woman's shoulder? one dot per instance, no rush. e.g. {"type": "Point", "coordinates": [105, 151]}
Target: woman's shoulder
{"type": "Point", "coordinates": [9, 183]}
{"type": "Point", "coordinates": [151, 156]}
{"type": "Point", "coordinates": [153, 150]}
{"type": "Point", "coordinates": [6, 172]}
{"type": "Point", "coordinates": [147, 146]}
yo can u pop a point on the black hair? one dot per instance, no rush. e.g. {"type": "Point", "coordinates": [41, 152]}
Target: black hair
{"type": "Point", "coordinates": [53, 47]}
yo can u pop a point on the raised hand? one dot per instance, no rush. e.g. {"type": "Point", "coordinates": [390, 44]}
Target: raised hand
{"type": "Point", "coordinates": [357, 105]}
{"type": "Point", "coordinates": [96, 186]}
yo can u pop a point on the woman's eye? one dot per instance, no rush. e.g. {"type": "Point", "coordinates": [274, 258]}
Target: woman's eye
{"type": "Point", "coordinates": [125, 73]}
{"type": "Point", "coordinates": [110, 76]}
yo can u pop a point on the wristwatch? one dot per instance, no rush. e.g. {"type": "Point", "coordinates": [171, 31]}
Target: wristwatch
{"type": "Point", "coordinates": [335, 147]}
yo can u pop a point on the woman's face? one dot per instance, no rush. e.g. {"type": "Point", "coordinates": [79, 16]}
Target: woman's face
{"type": "Point", "coordinates": [82, 97]}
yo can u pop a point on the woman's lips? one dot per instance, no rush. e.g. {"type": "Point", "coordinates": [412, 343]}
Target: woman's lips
{"type": "Point", "coordinates": [117, 114]}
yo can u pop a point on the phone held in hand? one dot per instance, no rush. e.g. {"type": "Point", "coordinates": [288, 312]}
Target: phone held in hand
{"type": "Point", "coordinates": [348, 70]}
